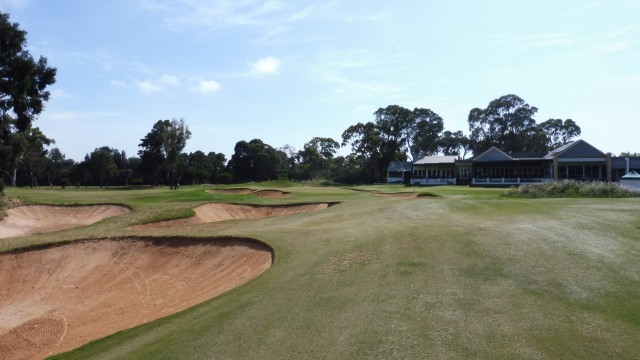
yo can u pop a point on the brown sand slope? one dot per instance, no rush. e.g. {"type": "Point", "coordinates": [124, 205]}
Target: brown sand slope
{"type": "Point", "coordinates": [274, 194]}
{"type": "Point", "coordinates": [26, 220]}
{"type": "Point", "coordinates": [58, 298]}
{"type": "Point", "coordinates": [214, 212]}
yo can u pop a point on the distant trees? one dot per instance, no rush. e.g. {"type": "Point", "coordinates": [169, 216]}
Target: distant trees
{"type": "Point", "coordinates": [395, 134]}
{"type": "Point", "coordinates": [508, 123]}
{"type": "Point", "coordinates": [629, 154]}
{"type": "Point", "coordinates": [23, 83]}
{"type": "Point", "coordinates": [316, 158]}
{"type": "Point", "coordinates": [254, 161]}
{"type": "Point", "coordinates": [161, 149]}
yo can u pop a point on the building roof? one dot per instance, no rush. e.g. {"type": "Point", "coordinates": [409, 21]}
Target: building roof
{"type": "Point", "coordinates": [631, 176]}
{"type": "Point", "coordinates": [576, 149]}
{"type": "Point", "coordinates": [447, 159]}
{"type": "Point", "coordinates": [399, 166]}
{"type": "Point", "coordinates": [523, 156]}
{"type": "Point", "coordinates": [493, 154]}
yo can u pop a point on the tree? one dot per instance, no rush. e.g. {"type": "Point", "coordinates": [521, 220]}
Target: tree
{"type": "Point", "coordinates": [174, 139]}
{"type": "Point", "coordinates": [427, 128]}
{"type": "Point", "coordinates": [559, 133]}
{"type": "Point", "coordinates": [151, 155]}
{"type": "Point", "coordinates": [161, 149]}
{"type": "Point", "coordinates": [198, 167]}
{"type": "Point", "coordinates": [58, 167]}
{"type": "Point", "coordinates": [370, 152]}
{"type": "Point", "coordinates": [629, 154]}
{"type": "Point", "coordinates": [101, 164]}
{"type": "Point", "coordinates": [508, 123]}
{"type": "Point", "coordinates": [453, 143]}
{"type": "Point", "coordinates": [23, 83]}
{"type": "Point", "coordinates": [34, 155]}
{"type": "Point", "coordinates": [217, 163]}
{"type": "Point", "coordinates": [317, 157]}
{"type": "Point", "coordinates": [254, 161]}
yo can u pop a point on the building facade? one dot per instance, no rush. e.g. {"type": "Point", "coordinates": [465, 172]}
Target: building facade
{"type": "Point", "coordinates": [577, 160]}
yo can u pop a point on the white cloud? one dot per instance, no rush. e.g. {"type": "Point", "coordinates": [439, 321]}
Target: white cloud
{"type": "Point", "coordinates": [148, 87]}
{"type": "Point", "coordinates": [170, 80]}
{"type": "Point", "coordinates": [267, 65]}
{"type": "Point", "coordinates": [208, 86]}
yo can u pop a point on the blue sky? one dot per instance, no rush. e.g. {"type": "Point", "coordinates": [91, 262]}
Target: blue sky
{"type": "Point", "coordinates": [286, 71]}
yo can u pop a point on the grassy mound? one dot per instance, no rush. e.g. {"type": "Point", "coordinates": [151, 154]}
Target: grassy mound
{"type": "Point", "coordinates": [573, 188]}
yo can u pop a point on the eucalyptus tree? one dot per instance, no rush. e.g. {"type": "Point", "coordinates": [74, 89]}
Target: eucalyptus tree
{"type": "Point", "coordinates": [161, 148]}
{"type": "Point", "coordinates": [23, 84]}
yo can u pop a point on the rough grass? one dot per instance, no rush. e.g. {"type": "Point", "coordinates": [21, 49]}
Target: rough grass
{"type": "Point", "coordinates": [573, 188]}
{"type": "Point", "coordinates": [468, 275]}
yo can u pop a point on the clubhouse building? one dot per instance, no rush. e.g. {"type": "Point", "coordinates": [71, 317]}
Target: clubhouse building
{"type": "Point", "coordinates": [577, 160]}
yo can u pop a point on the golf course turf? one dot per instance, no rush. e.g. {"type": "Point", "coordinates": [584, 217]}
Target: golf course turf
{"type": "Point", "coordinates": [465, 273]}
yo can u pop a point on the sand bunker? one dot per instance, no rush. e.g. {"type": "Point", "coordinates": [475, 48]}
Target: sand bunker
{"type": "Point", "coordinates": [26, 220]}
{"type": "Point", "coordinates": [232, 191]}
{"type": "Point", "coordinates": [214, 212]}
{"type": "Point", "coordinates": [274, 194]}
{"type": "Point", "coordinates": [56, 299]}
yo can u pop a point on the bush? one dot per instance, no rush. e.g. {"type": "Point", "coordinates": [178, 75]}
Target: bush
{"type": "Point", "coordinates": [64, 183]}
{"type": "Point", "coordinates": [573, 188]}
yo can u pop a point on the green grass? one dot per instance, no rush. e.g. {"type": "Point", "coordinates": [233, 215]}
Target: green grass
{"type": "Point", "coordinates": [469, 274]}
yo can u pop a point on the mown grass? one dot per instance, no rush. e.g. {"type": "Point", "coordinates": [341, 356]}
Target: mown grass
{"type": "Point", "coordinates": [467, 275]}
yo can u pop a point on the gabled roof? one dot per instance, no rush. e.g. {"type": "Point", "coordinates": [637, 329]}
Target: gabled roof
{"type": "Point", "coordinates": [576, 149]}
{"type": "Point", "coordinates": [493, 154]}
{"type": "Point", "coordinates": [447, 159]}
{"type": "Point", "coordinates": [631, 176]}
{"type": "Point", "coordinates": [526, 156]}
{"type": "Point", "coordinates": [399, 166]}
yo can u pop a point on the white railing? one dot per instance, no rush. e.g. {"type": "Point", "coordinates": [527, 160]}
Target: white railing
{"type": "Point", "coordinates": [508, 181]}
{"type": "Point", "coordinates": [433, 181]}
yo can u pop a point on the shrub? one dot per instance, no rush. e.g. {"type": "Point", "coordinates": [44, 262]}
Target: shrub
{"type": "Point", "coordinates": [573, 188]}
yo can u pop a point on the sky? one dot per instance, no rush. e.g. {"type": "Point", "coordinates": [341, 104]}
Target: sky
{"type": "Point", "coordinates": [287, 71]}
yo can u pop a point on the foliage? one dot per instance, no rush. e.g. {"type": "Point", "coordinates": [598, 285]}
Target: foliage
{"type": "Point", "coordinates": [317, 158]}
{"type": "Point", "coordinates": [508, 123]}
{"type": "Point", "coordinates": [23, 83]}
{"type": "Point", "coordinates": [573, 188]}
{"type": "Point", "coordinates": [254, 161]}
{"type": "Point", "coordinates": [629, 154]}
{"type": "Point", "coordinates": [161, 149]}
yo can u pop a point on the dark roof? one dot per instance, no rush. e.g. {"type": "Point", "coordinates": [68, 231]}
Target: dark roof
{"type": "Point", "coordinates": [578, 149]}
{"type": "Point", "coordinates": [517, 156]}
{"type": "Point", "coordinates": [398, 166]}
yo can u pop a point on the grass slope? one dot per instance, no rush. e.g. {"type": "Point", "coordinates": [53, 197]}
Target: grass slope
{"type": "Point", "coordinates": [469, 274]}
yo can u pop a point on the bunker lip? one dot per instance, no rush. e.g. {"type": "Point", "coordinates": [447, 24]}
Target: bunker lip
{"type": "Point", "coordinates": [57, 297]}
{"type": "Point", "coordinates": [215, 212]}
{"type": "Point", "coordinates": [268, 193]}
{"type": "Point", "coordinates": [35, 219]}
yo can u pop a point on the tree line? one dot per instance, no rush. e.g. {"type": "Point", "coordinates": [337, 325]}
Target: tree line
{"type": "Point", "coordinates": [395, 134]}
